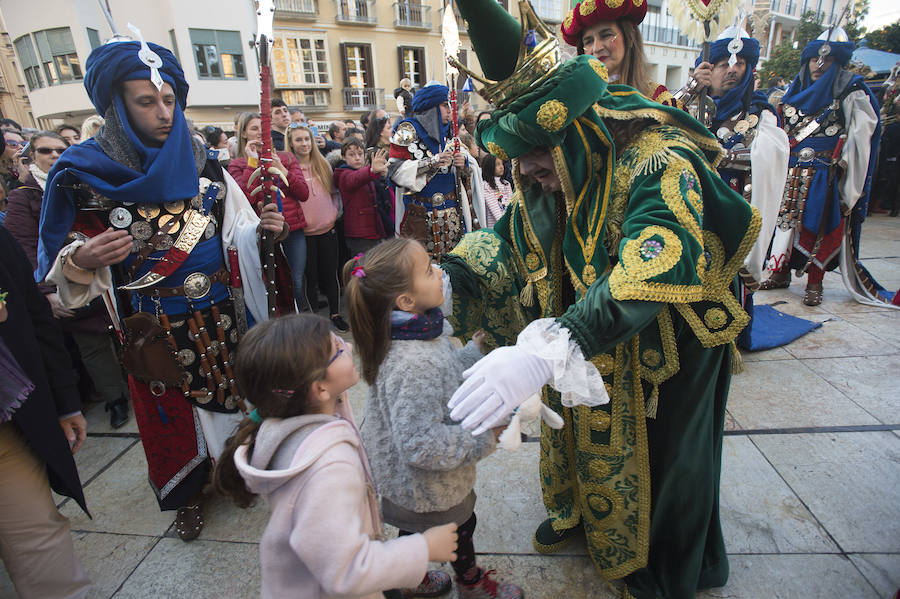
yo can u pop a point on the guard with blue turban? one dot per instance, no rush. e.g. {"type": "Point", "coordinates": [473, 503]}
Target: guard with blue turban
{"type": "Point", "coordinates": [747, 127]}
{"type": "Point", "coordinates": [424, 167]}
{"type": "Point", "coordinates": [143, 216]}
{"type": "Point", "coordinates": [831, 118]}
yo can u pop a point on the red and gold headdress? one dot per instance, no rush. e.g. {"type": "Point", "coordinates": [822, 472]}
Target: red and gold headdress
{"type": "Point", "coordinates": [591, 12]}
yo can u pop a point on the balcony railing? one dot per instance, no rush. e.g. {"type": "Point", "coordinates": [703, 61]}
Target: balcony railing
{"type": "Point", "coordinates": [655, 34]}
{"type": "Point", "coordinates": [302, 9]}
{"type": "Point", "coordinates": [363, 98]}
{"type": "Point", "coordinates": [412, 15]}
{"type": "Point", "coordinates": [359, 12]}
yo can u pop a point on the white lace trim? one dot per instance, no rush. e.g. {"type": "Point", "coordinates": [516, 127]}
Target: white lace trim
{"type": "Point", "coordinates": [575, 378]}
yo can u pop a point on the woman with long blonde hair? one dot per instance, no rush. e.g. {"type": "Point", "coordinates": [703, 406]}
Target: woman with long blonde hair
{"type": "Point", "coordinates": [321, 211]}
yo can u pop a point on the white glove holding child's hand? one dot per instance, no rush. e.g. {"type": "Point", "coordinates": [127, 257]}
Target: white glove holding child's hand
{"type": "Point", "coordinates": [496, 385]}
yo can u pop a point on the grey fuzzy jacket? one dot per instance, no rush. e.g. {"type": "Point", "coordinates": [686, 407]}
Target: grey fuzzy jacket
{"type": "Point", "coordinates": [421, 460]}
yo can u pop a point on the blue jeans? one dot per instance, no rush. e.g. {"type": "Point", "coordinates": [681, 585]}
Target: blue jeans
{"type": "Point", "coordinates": [295, 251]}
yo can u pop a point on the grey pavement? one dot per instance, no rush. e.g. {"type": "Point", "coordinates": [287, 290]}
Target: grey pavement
{"type": "Point", "coordinates": [810, 486]}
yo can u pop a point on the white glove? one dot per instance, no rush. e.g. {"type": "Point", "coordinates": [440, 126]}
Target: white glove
{"type": "Point", "coordinates": [496, 385]}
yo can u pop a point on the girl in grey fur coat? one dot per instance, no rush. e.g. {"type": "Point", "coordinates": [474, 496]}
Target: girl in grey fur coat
{"type": "Point", "coordinates": [422, 462]}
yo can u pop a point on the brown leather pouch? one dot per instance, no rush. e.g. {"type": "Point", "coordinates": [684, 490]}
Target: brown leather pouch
{"type": "Point", "coordinates": [147, 355]}
{"type": "Point", "coordinates": [415, 224]}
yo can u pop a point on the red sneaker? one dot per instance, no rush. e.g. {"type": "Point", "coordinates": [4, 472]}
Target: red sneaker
{"type": "Point", "coordinates": [485, 588]}
{"type": "Point", "coordinates": [435, 584]}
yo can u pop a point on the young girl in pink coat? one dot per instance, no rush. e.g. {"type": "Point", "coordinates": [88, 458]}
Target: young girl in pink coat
{"type": "Point", "coordinates": [301, 451]}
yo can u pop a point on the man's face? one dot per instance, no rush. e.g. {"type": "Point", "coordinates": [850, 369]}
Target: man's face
{"type": "Point", "coordinates": [280, 118]}
{"type": "Point", "coordinates": [816, 71]}
{"type": "Point", "coordinates": [538, 163]}
{"type": "Point", "coordinates": [150, 111]}
{"type": "Point", "coordinates": [725, 76]}
{"type": "Point", "coordinates": [445, 112]}
{"type": "Point", "coordinates": [298, 117]}
{"type": "Point", "coordinates": [339, 132]}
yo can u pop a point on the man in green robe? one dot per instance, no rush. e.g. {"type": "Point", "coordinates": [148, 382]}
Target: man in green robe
{"type": "Point", "coordinates": [606, 284]}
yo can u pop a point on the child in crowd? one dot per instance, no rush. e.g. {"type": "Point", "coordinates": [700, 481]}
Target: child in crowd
{"type": "Point", "coordinates": [497, 191]}
{"type": "Point", "coordinates": [355, 180]}
{"type": "Point", "coordinates": [301, 450]}
{"type": "Point", "coordinates": [423, 462]}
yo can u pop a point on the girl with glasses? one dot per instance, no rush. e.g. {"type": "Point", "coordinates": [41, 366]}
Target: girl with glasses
{"type": "Point", "coordinates": [300, 449]}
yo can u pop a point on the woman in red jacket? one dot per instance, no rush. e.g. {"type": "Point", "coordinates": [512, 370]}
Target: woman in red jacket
{"type": "Point", "coordinates": [249, 136]}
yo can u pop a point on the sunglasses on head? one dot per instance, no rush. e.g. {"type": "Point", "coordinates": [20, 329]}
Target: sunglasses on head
{"type": "Point", "coordinates": [46, 151]}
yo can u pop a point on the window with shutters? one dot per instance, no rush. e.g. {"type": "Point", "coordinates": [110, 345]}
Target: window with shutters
{"type": "Point", "coordinates": [30, 65]}
{"type": "Point", "coordinates": [54, 62]}
{"type": "Point", "coordinates": [412, 65]}
{"type": "Point", "coordinates": [300, 61]}
{"type": "Point", "coordinates": [218, 54]}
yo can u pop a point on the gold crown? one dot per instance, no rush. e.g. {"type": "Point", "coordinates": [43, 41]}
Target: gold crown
{"type": "Point", "coordinates": [533, 66]}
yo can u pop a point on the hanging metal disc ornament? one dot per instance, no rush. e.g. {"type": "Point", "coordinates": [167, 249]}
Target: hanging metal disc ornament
{"type": "Point", "coordinates": [120, 218]}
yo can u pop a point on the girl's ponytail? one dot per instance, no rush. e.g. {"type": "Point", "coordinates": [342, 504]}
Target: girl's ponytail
{"type": "Point", "coordinates": [275, 365]}
{"type": "Point", "coordinates": [226, 478]}
{"type": "Point", "coordinates": [373, 282]}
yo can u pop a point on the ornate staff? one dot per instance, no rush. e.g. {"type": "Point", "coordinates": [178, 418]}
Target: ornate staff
{"type": "Point", "coordinates": [265, 12]}
{"type": "Point", "coordinates": [701, 21]}
{"type": "Point", "coordinates": [450, 42]}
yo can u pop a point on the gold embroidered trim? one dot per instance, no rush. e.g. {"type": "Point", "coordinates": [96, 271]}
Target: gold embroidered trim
{"type": "Point", "coordinates": [715, 318]}
{"type": "Point", "coordinates": [587, 7]}
{"type": "Point", "coordinates": [653, 292]}
{"type": "Point", "coordinates": [670, 186]}
{"type": "Point", "coordinates": [567, 22]}
{"type": "Point", "coordinates": [589, 274]}
{"type": "Point", "coordinates": [706, 143]}
{"type": "Point", "coordinates": [604, 363]}
{"type": "Point", "coordinates": [614, 3]}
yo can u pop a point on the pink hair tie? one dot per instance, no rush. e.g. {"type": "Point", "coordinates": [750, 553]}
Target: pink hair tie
{"type": "Point", "coordinates": [357, 257]}
{"type": "Point", "coordinates": [358, 272]}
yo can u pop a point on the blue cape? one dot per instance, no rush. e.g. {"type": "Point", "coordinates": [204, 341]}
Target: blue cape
{"type": "Point", "coordinates": [110, 64]}
{"type": "Point", "coordinates": [429, 97]}
{"type": "Point", "coordinates": [168, 173]}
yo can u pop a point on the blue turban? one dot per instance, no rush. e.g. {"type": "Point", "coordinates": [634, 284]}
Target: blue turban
{"type": "Point", "coordinates": [429, 97]}
{"type": "Point", "coordinates": [842, 51]}
{"type": "Point", "coordinates": [719, 50]}
{"type": "Point", "coordinates": [115, 62]}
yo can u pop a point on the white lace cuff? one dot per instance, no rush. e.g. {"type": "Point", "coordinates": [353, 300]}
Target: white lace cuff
{"type": "Point", "coordinates": [577, 379]}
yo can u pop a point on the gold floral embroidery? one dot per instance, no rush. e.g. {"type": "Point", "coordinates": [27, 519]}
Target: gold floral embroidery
{"type": "Point", "coordinates": [567, 23]}
{"type": "Point", "coordinates": [552, 115]}
{"type": "Point", "coordinates": [636, 267]}
{"type": "Point", "coordinates": [495, 149]}
{"type": "Point", "coordinates": [532, 261]}
{"type": "Point", "coordinates": [715, 318]}
{"type": "Point", "coordinates": [587, 7]}
{"type": "Point", "coordinates": [600, 68]}
{"type": "Point", "coordinates": [651, 358]}
{"type": "Point", "coordinates": [638, 2]}
{"type": "Point", "coordinates": [614, 3]}
{"type": "Point", "coordinates": [589, 275]}
{"type": "Point", "coordinates": [601, 421]}
{"type": "Point", "coordinates": [604, 363]}
{"type": "Point", "coordinates": [651, 291]}
{"type": "Point", "coordinates": [670, 185]}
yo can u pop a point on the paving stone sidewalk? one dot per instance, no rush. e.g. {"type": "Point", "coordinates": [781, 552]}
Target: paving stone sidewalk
{"type": "Point", "coordinates": [810, 485]}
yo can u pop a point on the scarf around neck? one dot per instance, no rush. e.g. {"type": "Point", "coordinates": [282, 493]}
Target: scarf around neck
{"type": "Point", "coordinates": [39, 175]}
{"type": "Point", "coordinates": [406, 326]}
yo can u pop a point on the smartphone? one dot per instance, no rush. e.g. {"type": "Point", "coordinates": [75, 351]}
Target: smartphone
{"type": "Point", "coordinates": [370, 155]}
{"type": "Point", "coordinates": [25, 154]}
{"type": "Point", "coordinates": [315, 131]}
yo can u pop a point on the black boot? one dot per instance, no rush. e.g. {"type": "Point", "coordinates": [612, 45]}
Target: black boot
{"type": "Point", "coordinates": [118, 412]}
